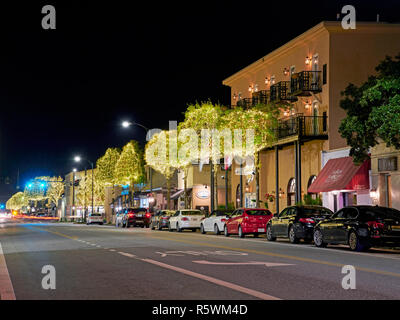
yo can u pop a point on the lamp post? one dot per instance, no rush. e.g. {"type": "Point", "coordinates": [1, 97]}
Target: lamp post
{"type": "Point", "coordinates": [73, 191]}
{"type": "Point", "coordinates": [127, 124]}
{"type": "Point", "coordinates": [78, 159]}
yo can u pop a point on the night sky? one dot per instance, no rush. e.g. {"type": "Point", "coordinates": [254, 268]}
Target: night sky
{"type": "Point", "coordinates": [65, 91]}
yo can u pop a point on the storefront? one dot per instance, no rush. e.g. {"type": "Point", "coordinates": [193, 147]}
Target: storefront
{"type": "Point", "coordinates": [385, 188]}
{"type": "Point", "coordinates": [343, 183]}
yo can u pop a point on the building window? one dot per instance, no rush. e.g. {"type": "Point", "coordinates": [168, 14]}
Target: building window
{"type": "Point", "coordinates": [310, 182]}
{"type": "Point", "coordinates": [291, 192]}
{"type": "Point", "coordinates": [324, 73]}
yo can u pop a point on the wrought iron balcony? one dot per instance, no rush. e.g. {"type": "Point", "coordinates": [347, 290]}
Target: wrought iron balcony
{"type": "Point", "coordinates": [259, 97]}
{"type": "Point", "coordinates": [303, 126]}
{"type": "Point", "coordinates": [305, 82]}
{"type": "Point", "coordinates": [281, 92]}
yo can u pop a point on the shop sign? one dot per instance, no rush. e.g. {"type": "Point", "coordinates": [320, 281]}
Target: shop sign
{"type": "Point", "coordinates": [387, 164]}
{"type": "Point", "coordinates": [203, 194]}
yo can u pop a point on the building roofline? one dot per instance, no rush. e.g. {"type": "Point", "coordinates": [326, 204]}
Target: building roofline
{"type": "Point", "coordinates": [329, 26]}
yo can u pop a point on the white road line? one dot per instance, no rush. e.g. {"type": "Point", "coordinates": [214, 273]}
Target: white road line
{"type": "Point", "coordinates": [113, 250]}
{"type": "Point", "coordinates": [127, 254]}
{"type": "Point", "coordinates": [219, 282]}
{"type": "Point", "coordinates": [6, 287]}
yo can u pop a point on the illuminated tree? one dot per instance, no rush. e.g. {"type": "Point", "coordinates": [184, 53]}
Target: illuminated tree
{"type": "Point", "coordinates": [106, 166]}
{"type": "Point", "coordinates": [200, 118]}
{"type": "Point", "coordinates": [84, 190]}
{"type": "Point", "coordinates": [17, 201]}
{"type": "Point", "coordinates": [129, 168]}
{"type": "Point", "coordinates": [55, 189]}
{"type": "Point", "coordinates": [159, 155]}
{"type": "Point", "coordinates": [262, 120]}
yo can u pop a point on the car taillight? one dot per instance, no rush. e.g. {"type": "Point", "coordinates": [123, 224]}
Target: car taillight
{"type": "Point", "coordinates": [131, 215]}
{"type": "Point", "coordinates": [185, 219]}
{"type": "Point", "coordinates": [375, 225]}
{"type": "Point", "coordinates": [306, 220]}
{"type": "Point", "coordinates": [148, 215]}
{"type": "Point", "coordinates": [223, 220]}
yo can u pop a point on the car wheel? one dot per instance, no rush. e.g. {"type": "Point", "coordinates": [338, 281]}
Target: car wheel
{"type": "Point", "coordinates": [216, 230]}
{"type": "Point", "coordinates": [226, 233]}
{"type": "Point", "coordinates": [148, 226]}
{"type": "Point", "coordinates": [127, 224]}
{"type": "Point", "coordinates": [194, 230]}
{"type": "Point", "coordinates": [202, 229]}
{"type": "Point", "coordinates": [269, 233]}
{"type": "Point", "coordinates": [240, 232]}
{"type": "Point", "coordinates": [101, 223]}
{"type": "Point", "coordinates": [152, 226]}
{"type": "Point", "coordinates": [178, 228]}
{"type": "Point", "coordinates": [256, 235]}
{"type": "Point", "coordinates": [169, 227]}
{"type": "Point", "coordinates": [159, 226]}
{"type": "Point", "coordinates": [319, 239]}
{"type": "Point", "coordinates": [142, 226]}
{"type": "Point", "coordinates": [355, 243]}
{"type": "Point", "coordinates": [292, 235]}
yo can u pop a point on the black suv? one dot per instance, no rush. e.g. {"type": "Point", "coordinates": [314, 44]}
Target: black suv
{"type": "Point", "coordinates": [296, 223]}
{"type": "Point", "coordinates": [361, 227]}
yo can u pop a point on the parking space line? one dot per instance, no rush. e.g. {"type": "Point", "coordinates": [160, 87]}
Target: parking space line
{"type": "Point", "coordinates": [6, 287]}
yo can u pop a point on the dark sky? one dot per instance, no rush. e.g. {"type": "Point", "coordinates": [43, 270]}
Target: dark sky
{"type": "Point", "coordinates": [65, 91]}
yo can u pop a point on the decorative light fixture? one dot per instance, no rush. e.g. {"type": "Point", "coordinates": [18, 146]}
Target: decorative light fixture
{"type": "Point", "coordinates": [250, 88]}
{"type": "Point", "coordinates": [307, 106]}
{"type": "Point", "coordinates": [373, 194]}
{"type": "Point", "coordinates": [234, 96]}
{"type": "Point", "coordinates": [256, 88]}
{"type": "Point", "coordinates": [308, 60]}
{"type": "Point", "coordinates": [315, 60]}
{"type": "Point", "coordinates": [266, 80]}
{"type": "Point", "coordinates": [281, 193]}
{"type": "Point", "coordinates": [285, 113]}
{"type": "Point", "coordinates": [272, 80]}
{"type": "Point", "coordinates": [285, 71]}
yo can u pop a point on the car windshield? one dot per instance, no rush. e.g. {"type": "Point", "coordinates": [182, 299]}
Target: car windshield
{"type": "Point", "coordinates": [258, 212]}
{"type": "Point", "coordinates": [312, 212]}
{"type": "Point", "coordinates": [167, 213]}
{"type": "Point", "coordinates": [137, 210]}
{"type": "Point", "coordinates": [191, 213]}
{"type": "Point", "coordinates": [379, 213]}
{"type": "Point", "coordinates": [220, 213]}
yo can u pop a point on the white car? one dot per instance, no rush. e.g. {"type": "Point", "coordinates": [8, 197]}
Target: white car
{"type": "Point", "coordinates": [215, 222]}
{"type": "Point", "coordinates": [185, 219]}
{"type": "Point", "coordinates": [94, 218]}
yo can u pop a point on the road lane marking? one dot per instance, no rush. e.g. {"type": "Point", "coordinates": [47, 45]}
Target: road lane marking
{"type": "Point", "coordinates": [58, 233]}
{"type": "Point", "coordinates": [129, 255]}
{"type": "Point", "coordinates": [216, 281]}
{"type": "Point", "coordinates": [261, 263]}
{"type": "Point", "coordinates": [6, 287]}
{"type": "Point", "coordinates": [284, 256]}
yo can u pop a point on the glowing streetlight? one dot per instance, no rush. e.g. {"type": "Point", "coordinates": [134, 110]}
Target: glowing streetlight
{"type": "Point", "coordinates": [74, 170]}
{"type": "Point", "coordinates": [77, 159]}
{"type": "Point", "coordinates": [126, 124]}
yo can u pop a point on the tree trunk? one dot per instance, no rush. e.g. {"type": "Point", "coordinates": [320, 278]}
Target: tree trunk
{"type": "Point", "coordinates": [257, 171]}
{"type": "Point", "coordinates": [216, 185]}
{"type": "Point", "coordinates": [185, 172]}
{"type": "Point", "coordinates": [168, 192]}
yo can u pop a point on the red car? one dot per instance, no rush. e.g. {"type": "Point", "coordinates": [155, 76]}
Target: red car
{"type": "Point", "coordinates": [247, 220]}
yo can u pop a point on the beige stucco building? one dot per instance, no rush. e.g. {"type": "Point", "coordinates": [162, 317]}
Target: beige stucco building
{"type": "Point", "coordinates": [307, 74]}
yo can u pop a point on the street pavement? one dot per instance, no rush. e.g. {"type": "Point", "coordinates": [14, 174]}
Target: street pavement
{"type": "Point", "coordinates": [103, 262]}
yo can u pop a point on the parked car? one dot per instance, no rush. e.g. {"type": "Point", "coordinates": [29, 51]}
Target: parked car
{"type": "Point", "coordinates": [160, 219]}
{"type": "Point", "coordinates": [296, 223]}
{"type": "Point", "coordinates": [247, 221]}
{"type": "Point", "coordinates": [133, 217]}
{"type": "Point", "coordinates": [215, 222]}
{"type": "Point", "coordinates": [185, 219]}
{"type": "Point", "coordinates": [94, 218]}
{"type": "Point", "coordinates": [361, 227]}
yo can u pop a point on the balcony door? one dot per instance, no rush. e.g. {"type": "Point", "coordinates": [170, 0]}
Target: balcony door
{"type": "Point", "coordinates": [315, 111]}
{"type": "Point", "coordinates": [314, 76]}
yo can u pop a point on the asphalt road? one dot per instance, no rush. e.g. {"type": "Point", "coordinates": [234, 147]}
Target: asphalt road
{"type": "Point", "coordinates": [103, 262]}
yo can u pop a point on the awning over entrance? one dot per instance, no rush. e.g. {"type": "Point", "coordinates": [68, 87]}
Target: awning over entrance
{"type": "Point", "coordinates": [342, 174]}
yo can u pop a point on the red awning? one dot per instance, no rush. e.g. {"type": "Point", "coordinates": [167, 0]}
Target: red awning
{"type": "Point", "coordinates": [342, 174]}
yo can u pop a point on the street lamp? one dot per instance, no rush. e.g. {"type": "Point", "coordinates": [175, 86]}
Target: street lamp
{"type": "Point", "coordinates": [78, 159]}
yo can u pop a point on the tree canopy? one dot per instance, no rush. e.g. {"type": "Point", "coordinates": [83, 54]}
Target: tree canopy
{"type": "Point", "coordinates": [373, 110]}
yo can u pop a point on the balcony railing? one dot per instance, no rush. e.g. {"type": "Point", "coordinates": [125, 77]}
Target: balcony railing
{"type": "Point", "coordinates": [305, 82]}
{"type": "Point", "coordinates": [259, 97]}
{"type": "Point", "coordinates": [302, 126]}
{"type": "Point", "coordinates": [281, 92]}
